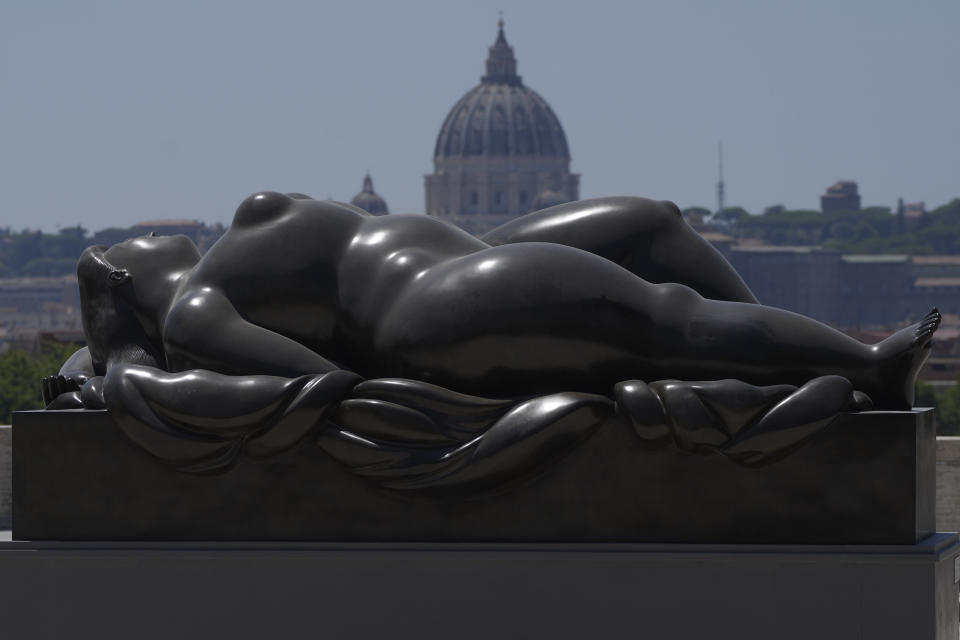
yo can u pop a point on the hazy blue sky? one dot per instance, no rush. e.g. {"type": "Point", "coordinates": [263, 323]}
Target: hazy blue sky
{"type": "Point", "coordinates": [116, 112]}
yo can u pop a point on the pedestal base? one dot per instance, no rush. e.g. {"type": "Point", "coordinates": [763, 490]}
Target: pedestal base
{"type": "Point", "coordinates": [868, 479]}
{"type": "Point", "coordinates": [425, 591]}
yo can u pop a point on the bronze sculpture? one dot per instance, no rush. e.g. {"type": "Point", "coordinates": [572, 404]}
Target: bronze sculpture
{"type": "Point", "coordinates": [303, 299]}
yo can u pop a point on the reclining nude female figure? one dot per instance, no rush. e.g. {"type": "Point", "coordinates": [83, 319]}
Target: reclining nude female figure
{"type": "Point", "coordinates": [576, 297]}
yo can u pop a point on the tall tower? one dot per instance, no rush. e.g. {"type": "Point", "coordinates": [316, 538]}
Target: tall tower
{"type": "Point", "coordinates": [720, 186]}
{"type": "Point", "coordinates": [500, 153]}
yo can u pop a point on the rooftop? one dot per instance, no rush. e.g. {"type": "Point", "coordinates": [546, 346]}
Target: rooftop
{"type": "Point", "coordinates": [875, 258]}
{"type": "Point", "coordinates": [769, 248]}
{"type": "Point", "coordinates": [936, 259]}
{"type": "Point", "coordinates": [937, 282]}
{"type": "Point", "coordinates": [169, 222]}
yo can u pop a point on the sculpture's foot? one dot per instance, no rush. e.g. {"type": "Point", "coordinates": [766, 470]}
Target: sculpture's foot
{"type": "Point", "coordinates": [901, 357]}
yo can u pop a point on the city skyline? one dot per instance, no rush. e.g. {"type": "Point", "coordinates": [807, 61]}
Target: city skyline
{"type": "Point", "coordinates": [122, 112]}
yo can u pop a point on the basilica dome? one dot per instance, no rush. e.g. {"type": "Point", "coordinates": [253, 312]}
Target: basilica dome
{"type": "Point", "coordinates": [501, 116]}
{"type": "Point", "coordinates": [500, 152]}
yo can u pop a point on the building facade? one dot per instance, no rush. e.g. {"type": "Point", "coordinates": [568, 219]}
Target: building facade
{"type": "Point", "coordinates": [500, 153]}
{"type": "Point", "coordinates": [851, 291]}
{"type": "Point", "coordinates": [842, 196]}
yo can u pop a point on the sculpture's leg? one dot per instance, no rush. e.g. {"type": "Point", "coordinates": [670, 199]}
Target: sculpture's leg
{"type": "Point", "coordinates": [648, 237]}
{"type": "Point", "coordinates": [534, 317]}
{"type": "Point", "coordinates": [766, 344]}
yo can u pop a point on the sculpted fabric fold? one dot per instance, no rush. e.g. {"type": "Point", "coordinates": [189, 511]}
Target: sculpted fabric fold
{"type": "Point", "coordinates": [414, 436]}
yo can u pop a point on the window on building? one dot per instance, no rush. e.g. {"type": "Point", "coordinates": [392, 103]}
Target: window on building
{"type": "Point", "coordinates": [523, 198]}
{"type": "Point", "coordinates": [498, 197]}
{"type": "Point", "coordinates": [474, 198]}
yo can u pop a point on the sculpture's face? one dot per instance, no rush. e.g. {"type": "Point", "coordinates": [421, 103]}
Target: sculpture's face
{"type": "Point", "coordinates": [124, 289]}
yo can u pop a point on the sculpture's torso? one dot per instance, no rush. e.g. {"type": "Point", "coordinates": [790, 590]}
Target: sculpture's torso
{"type": "Point", "coordinates": [323, 273]}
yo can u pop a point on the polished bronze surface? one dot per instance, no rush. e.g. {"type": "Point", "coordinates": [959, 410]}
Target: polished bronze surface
{"type": "Point", "coordinates": [425, 357]}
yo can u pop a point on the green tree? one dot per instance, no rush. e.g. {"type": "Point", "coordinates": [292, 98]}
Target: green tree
{"type": "Point", "coordinates": [948, 213]}
{"type": "Point", "coordinates": [943, 238]}
{"type": "Point", "coordinates": [21, 373]}
{"type": "Point", "coordinates": [732, 215]}
{"type": "Point", "coordinates": [947, 405]}
{"type": "Point", "coordinates": [925, 396]}
{"type": "Point", "coordinates": [111, 236]}
{"type": "Point", "coordinates": [48, 266]}
{"type": "Point", "coordinates": [948, 411]}
{"type": "Point", "coordinates": [22, 248]}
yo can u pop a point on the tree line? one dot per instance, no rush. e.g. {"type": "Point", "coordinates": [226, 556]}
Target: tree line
{"type": "Point", "coordinates": [21, 371]}
{"type": "Point", "coordinates": [946, 403]}
{"type": "Point", "coordinates": [869, 230]}
{"type": "Point", "coordinates": [34, 253]}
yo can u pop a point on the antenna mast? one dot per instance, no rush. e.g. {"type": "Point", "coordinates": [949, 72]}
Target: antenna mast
{"type": "Point", "coordinates": [720, 187]}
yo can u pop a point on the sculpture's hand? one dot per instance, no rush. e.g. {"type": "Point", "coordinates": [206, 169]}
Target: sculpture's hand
{"type": "Point", "coordinates": [52, 387]}
{"type": "Point", "coordinates": [62, 391]}
{"type": "Point", "coordinates": [73, 390]}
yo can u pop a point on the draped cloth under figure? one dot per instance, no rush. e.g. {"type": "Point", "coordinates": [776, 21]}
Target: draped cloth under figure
{"type": "Point", "coordinates": [410, 435]}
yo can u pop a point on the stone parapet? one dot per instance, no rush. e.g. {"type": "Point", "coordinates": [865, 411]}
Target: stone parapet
{"type": "Point", "coordinates": [948, 483]}
{"type": "Point", "coordinates": [6, 488]}
{"type": "Point", "coordinates": [426, 591]}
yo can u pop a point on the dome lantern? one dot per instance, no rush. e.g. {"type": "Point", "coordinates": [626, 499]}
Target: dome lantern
{"type": "Point", "coordinates": [501, 64]}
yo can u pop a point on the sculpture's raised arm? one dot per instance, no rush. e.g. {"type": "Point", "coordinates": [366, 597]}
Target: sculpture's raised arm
{"type": "Point", "coordinates": [647, 237]}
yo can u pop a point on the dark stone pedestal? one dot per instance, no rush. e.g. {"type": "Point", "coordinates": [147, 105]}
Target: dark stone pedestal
{"type": "Point", "coordinates": [442, 591]}
{"type": "Point", "coordinates": [869, 479]}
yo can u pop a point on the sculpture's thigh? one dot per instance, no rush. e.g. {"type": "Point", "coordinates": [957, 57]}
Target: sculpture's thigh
{"type": "Point", "coordinates": [520, 310]}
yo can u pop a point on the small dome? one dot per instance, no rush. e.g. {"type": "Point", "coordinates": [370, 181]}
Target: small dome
{"type": "Point", "coordinates": [501, 116]}
{"type": "Point", "coordinates": [368, 200]}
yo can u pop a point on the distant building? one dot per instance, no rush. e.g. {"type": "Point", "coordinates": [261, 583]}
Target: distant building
{"type": "Point", "coordinates": [867, 291]}
{"type": "Point", "coordinates": [31, 308]}
{"type": "Point", "coordinates": [500, 153]}
{"type": "Point", "coordinates": [877, 291]}
{"type": "Point", "coordinates": [800, 279]}
{"type": "Point", "coordinates": [936, 266]}
{"type": "Point", "coordinates": [914, 209]}
{"type": "Point", "coordinates": [368, 200]}
{"type": "Point", "coordinates": [32, 295]}
{"type": "Point", "coordinates": [841, 196]}
{"type": "Point", "coordinates": [720, 241]}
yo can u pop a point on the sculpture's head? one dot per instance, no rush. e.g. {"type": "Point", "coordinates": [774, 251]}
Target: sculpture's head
{"type": "Point", "coordinates": [125, 291]}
